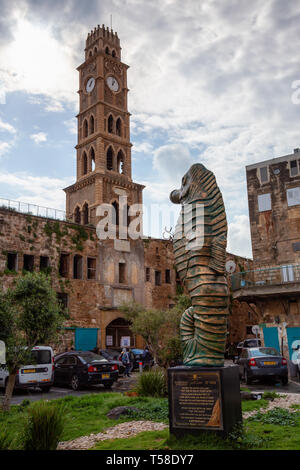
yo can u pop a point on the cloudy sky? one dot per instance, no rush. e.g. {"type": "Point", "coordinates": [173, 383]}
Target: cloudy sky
{"type": "Point", "coordinates": [210, 81]}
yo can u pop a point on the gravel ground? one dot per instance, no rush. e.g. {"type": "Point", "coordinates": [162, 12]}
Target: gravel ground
{"type": "Point", "coordinates": [123, 430]}
{"type": "Point", "coordinates": [285, 401]}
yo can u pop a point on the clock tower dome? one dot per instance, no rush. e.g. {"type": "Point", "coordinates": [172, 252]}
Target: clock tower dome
{"type": "Point", "coordinates": [103, 148]}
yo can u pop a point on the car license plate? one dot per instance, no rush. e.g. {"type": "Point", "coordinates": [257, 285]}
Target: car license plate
{"type": "Point", "coordinates": [29, 371]}
{"type": "Point", "coordinates": [105, 376]}
{"type": "Point", "coordinates": [270, 363]}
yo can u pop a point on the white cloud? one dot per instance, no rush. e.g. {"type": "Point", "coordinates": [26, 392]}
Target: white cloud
{"type": "Point", "coordinates": [143, 147]}
{"type": "Point", "coordinates": [172, 162]}
{"type": "Point", "coordinates": [239, 236]}
{"type": "Point", "coordinates": [5, 126]}
{"type": "Point", "coordinates": [42, 191]}
{"type": "Point", "coordinates": [71, 125]}
{"type": "Point", "coordinates": [4, 147]}
{"type": "Point", "coordinates": [39, 138]}
{"type": "Point", "coordinates": [39, 63]}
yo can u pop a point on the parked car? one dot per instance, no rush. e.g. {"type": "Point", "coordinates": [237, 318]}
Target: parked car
{"type": "Point", "coordinates": [84, 368]}
{"type": "Point", "coordinates": [112, 353]}
{"type": "Point", "coordinates": [138, 356]}
{"type": "Point", "coordinates": [38, 374]}
{"type": "Point", "coordinates": [247, 343]}
{"type": "Point", "coordinates": [262, 363]}
{"type": "Point", "coordinates": [113, 357]}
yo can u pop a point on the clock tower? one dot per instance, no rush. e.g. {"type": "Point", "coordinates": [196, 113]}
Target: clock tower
{"type": "Point", "coordinates": [103, 148]}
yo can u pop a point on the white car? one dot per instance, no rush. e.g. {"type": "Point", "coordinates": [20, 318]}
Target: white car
{"type": "Point", "coordinates": [38, 374]}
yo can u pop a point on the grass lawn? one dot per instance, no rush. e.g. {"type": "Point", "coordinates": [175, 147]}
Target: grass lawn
{"type": "Point", "coordinates": [87, 414]}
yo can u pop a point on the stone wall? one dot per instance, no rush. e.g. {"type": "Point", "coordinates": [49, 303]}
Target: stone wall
{"type": "Point", "coordinates": [148, 274]}
{"type": "Point", "coordinates": [275, 233]}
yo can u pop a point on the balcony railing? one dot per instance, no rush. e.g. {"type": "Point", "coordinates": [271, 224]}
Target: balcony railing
{"type": "Point", "coordinates": [266, 277]}
{"type": "Point", "coordinates": [32, 209]}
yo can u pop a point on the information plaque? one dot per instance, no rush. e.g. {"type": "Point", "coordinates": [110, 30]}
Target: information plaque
{"type": "Point", "coordinates": [197, 400]}
{"type": "Point", "coordinates": [203, 399]}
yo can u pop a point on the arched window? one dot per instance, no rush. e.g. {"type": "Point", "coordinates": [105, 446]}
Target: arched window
{"type": "Point", "coordinates": [113, 53]}
{"type": "Point", "coordinates": [95, 50]}
{"type": "Point", "coordinates": [110, 124]}
{"type": "Point", "coordinates": [84, 164]}
{"type": "Point", "coordinates": [115, 219]}
{"type": "Point", "coordinates": [120, 162]}
{"type": "Point", "coordinates": [90, 54]}
{"type": "Point", "coordinates": [109, 159]}
{"type": "Point", "coordinates": [85, 214]}
{"type": "Point", "coordinates": [119, 127]}
{"type": "Point", "coordinates": [92, 124]}
{"type": "Point", "coordinates": [92, 157]}
{"type": "Point", "coordinates": [106, 50]}
{"type": "Point", "coordinates": [85, 128]}
{"type": "Point", "coordinates": [77, 216]}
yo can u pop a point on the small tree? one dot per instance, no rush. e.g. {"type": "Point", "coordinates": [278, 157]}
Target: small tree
{"type": "Point", "coordinates": [159, 328]}
{"type": "Point", "coordinates": [30, 314]}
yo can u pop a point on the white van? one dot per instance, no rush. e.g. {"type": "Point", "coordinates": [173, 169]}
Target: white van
{"type": "Point", "coordinates": [39, 374]}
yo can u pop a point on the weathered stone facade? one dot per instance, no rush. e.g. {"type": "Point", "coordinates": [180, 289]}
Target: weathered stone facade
{"type": "Point", "coordinates": [272, 286]}
{"type": "Point", "coordinates": [67, 250]}
{"type": "Point", "coordinates": [274, 214]}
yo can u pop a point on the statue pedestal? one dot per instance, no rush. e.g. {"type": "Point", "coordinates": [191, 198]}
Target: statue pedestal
{"type": "Point", "coordinates": [204, 399]}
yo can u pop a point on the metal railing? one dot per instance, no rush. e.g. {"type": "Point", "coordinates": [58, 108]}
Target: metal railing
{"type": "Point", "coordinates": [266, 276]}
{"type": "Point", "coordinates": [32, 209]}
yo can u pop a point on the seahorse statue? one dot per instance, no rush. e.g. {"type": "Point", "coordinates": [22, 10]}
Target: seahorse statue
{"type": "Point", "coordinates": [200, 241]}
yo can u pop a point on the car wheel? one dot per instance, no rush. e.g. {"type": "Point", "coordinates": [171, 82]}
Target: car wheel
{"type": "Point", "coordinates": [75, 384]}
{"type": "Point", "coordinates": [284, 380]}
{"type": "Point", "coordinates": [108, 385]}
{"type": "Point", "coordinates": [246, 377]}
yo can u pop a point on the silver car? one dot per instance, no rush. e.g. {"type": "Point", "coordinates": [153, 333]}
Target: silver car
{"type": "Point", "coordinates": [262, 363]}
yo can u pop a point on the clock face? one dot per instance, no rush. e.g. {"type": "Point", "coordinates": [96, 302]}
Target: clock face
{"type": "Point", "coordinates": [112, 83]}
{"type": "Point", "coordinates": [90, 84]}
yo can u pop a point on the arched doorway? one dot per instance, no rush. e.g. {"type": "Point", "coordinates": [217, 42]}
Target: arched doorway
{"type": "Point", "coordinates": [119, 334]}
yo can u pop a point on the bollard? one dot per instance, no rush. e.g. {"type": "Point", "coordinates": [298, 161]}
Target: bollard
{"type": "Point", "coordinates": [140, 367]}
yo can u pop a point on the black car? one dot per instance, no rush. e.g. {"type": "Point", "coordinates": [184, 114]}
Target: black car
{"type": "Point", "coordinates": [84, 368]}
{"type": "Point", "coordinates": [262, 363]}
{"type": "Point", "coordinates": [113, 357]}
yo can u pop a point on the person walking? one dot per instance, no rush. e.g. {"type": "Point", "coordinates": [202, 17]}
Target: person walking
{"type": "Point", "coordinates": [126, 361]}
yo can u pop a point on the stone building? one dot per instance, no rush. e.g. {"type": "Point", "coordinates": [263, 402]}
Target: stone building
{"type": "Point", "coordinates": [273, 285]}
{"type": "Point", "coordinates": [93, 277]}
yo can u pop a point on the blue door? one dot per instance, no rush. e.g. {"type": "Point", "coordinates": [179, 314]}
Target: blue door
{"type": "Point", "coordinates": [86, 339]}
{"type": "Point", "coordinates": [271, 338]}
{"type": "Point", "coordinates": [293, 334]}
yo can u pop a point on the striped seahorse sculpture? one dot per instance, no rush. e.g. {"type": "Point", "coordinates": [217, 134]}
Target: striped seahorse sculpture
{"type": "Point", "coordinates": [200, 253]}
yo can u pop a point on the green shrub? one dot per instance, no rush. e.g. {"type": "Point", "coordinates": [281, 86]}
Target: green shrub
{"type": "Point", "coordinates": [280, 416]}
{"type": "Point", "coordinates": [241, 438]}
{"type": "Point", "coordinates": [44, 427]}
{"type": "Point", "coordinates": [158, 411]}
{"type": "Point", "coordinates": [271, 396]}
{"type": "Point", "coordinates": [5, 440]}
{"type": "Point", "coordinates": [152, 384]}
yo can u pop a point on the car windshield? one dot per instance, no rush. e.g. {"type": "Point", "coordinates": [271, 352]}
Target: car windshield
{"type": "Point", "coordinates": [90, 357]}
{"type": "Point", "coordinates": [264, 352]}
{"type": "Point", "coordinates": [41, 356]}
